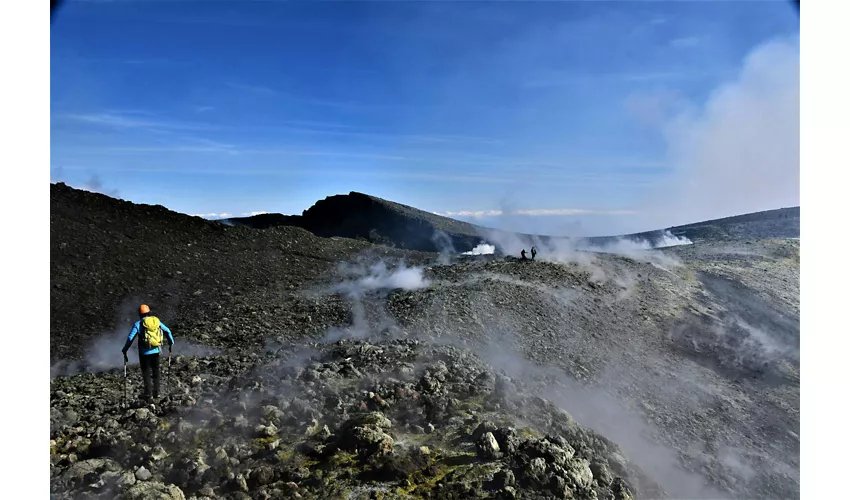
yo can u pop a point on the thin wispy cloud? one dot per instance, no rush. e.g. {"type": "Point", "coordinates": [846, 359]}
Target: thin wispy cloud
{"type": "Point", "coordinates": [350, 132]}
{"type": "Point", "coordinates": [565, 79]}
{"type": "Point", "coordinates": [647, 27]}
{"type": "Point", "coordinates": [253, 89]}
{"type": "Point", "coordinates": [308, 123]}
{"type": "Point", "coordinates": [150, 61]}
{"type": "Point", "coordinates": [478, 162]}
{"type": "Point", "coordinates": [114, 120]}
{"type": "Point", "coordinates": [190, 146]}
{"type": "Point", "coordinates": [378, 105]}
{"type": "Point", "coordinates": [534, 212]}
{"type": "Point", "coordinates": [424, 176]}
{"type": "Point", "coordinates": [151, 121]}
{"type": "Point", "coordinates": [211, 21]}
{"type": "Point", "coordinates": [661, 75]}
{"type": "Point", "coordinates": [132, 121]}
{"type": "Point", "coordinates": [265, 91]}
{"type": "Point", "coordinates": [228, 215]}
{"type": "Point", "coordinates": [688, 42]}
{"type": "Point", "coordinates": [486, 170]}
{"type": "Point", "coordinates": [213, 215]}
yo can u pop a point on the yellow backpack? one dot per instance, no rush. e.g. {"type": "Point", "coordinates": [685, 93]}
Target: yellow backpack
{"type": "Point", "coordinates": [151, 331]}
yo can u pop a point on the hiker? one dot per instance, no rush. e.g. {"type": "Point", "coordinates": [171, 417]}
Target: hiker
{"type": "Point", "coordinates": [533, 252]}
{"type": "Point", "coordinates": [149, 330]}
{"type": "Point", "coordinates": [522, 255]}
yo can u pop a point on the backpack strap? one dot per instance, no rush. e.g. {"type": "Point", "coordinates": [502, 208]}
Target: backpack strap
{"type": "Point", "coordinates": [143, 341]}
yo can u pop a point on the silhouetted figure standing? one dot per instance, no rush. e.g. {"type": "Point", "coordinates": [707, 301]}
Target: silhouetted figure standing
{"type": "Point", "coordinates": [522, 255]}
{"type": "Point", "coordinates": [533, 252]}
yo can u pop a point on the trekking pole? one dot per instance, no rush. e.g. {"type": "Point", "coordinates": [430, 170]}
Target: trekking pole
{"type": "Point", "coordinates": [125, 381]}
{"type": "Point", "coordinates": [168, 375]}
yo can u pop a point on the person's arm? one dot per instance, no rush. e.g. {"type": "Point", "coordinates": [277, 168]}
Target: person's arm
{"type": "Point", "coordinates": [170, 336]}
{"type": "Point", "coordinates": [133, 332]}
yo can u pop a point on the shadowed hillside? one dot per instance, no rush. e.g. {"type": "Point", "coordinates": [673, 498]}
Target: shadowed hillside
{"type": "Point", "coordinates": [372, 219]}
{"type": "Point", "coordinates": [109, 255]}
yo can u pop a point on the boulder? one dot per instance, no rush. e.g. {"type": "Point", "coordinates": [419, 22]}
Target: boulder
{"type": "Point", "coordinates": [152, 489]}
{"type": "Point", "coordinates": [488, 447]}
{"type": "Point", "coordinates": [483, 428]}
{"type": "Point", "coordinates": [261, 475]}
{"type": "Point", "coordinates": [509, 441]}
{"type": "Point", "coordinates": [87, 472]}
{"type": "Point", "coordinates": [547, 450]}
{"type": "Point", "coordinates": [143, 474]}
{"type": "Point", "coordinates": [579, 472]}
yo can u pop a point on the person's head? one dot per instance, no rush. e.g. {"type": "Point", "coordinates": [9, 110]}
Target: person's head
{"type": "Point", "coordinates": [144, 310]}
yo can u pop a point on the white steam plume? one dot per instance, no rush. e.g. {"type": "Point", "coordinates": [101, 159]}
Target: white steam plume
{"type": "Point", "coordinates": [737, 152]}
{"type": "Point", "coordinates": [582, 252]}
{"type": "Point", "coordinates": [482, 249]}
{"type": "Point", "coordinates": [740, 152]}
{"type": "Point", "coordinates": [363, 280]}
{"type": "Point", "coordinates": [379, 277]}
{"type": "Point", "coordinates": [671, 240]}
{"type": "Point", "coordinates": [444, 245]}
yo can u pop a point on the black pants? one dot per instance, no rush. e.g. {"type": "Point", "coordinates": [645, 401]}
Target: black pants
{"type": "Point", "coordinates": [150, 370]}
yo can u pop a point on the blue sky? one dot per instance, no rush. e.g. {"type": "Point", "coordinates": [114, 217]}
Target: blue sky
{"type": "Point", "coordinates": [556, 117]}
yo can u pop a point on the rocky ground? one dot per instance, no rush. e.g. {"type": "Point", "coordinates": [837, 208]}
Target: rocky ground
{"type": "Point", "coordinates": [690, 361]}
{"type": "Point", "coordinates": [345, 419]}
{"type": "Point", "coordinates": [332, 368]}
{"type": "Point", "coordinates": [205, 279]}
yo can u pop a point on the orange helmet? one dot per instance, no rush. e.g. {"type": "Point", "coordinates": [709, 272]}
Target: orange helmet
{"type": "Point", "coordinates": [144, 309]}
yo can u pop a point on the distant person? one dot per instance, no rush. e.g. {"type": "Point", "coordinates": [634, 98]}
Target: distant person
{"type": "Point", "coordinates": [533, 252]}
{"type": "Point", "coordinates": [522, 255]}
{"type": "Point", "coordinates": [149, 330]}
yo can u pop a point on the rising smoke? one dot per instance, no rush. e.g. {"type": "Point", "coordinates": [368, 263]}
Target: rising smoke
{"type": "Point", "coordinates": [444, 245]}
{"type": "Point", "coordinates": [734, 153]}
{"type": "Point", "coordinates": [482, 249]}
{"type": "Point", "coordinates": [740, 151]}
{"type": "Point", "coordinates": [583, 252]}
{"type": "Point", "coordinates": [103, 353]}
{"type": "Point", "coordinates": [362, 281]}
{"type": "Point", "coordinates": [363, 278]}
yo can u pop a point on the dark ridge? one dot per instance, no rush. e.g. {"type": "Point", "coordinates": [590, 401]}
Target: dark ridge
{"type": "Point", "coordinates": [360, 216]}
{"type": "Point", "coordinates": [779, 223]}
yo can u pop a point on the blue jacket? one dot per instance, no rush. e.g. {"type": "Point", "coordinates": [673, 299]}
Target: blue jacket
{"type": "Point", "coordinates": [169, 339]}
